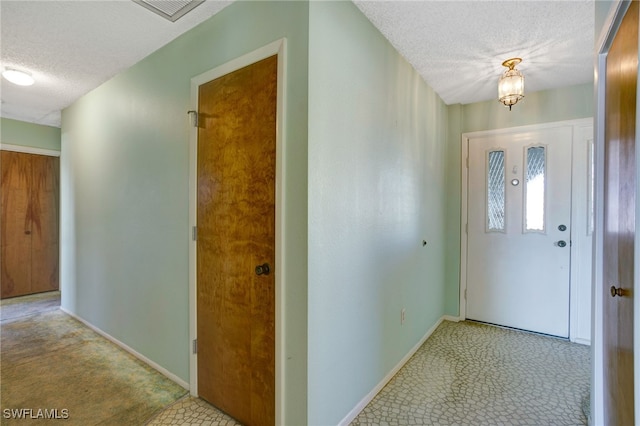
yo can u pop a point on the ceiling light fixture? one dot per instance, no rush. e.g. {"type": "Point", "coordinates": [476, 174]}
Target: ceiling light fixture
{"type": "Point", "coordinates": [21, 78]}
{"type": "Point", "coordinates": [511, 84]}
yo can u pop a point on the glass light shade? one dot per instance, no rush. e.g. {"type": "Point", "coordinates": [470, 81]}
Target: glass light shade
{"type": "Point", "coordinates": [511, 87]}
{"type": "Point", "coordinates": [20, 78]}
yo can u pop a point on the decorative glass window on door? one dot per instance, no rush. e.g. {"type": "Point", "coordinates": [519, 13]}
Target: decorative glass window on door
{"type": "Point", "coordinates": [495, 191]}
{"type": "Point", "coordinates": [536, 166]}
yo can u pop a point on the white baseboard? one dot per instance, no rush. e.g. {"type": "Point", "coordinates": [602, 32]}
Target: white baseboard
{"type": "Point", "coordinates": [581, 341]}
{"type": "Point", "coordinates": [133, 352]}
{"type": "Point", "coordinates": [452, 318]}
{"type": "Point", "coordinates": [369, 397]}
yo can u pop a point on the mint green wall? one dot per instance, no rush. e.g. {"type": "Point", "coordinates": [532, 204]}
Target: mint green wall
{"type": "Point", "coordinates": [125, 193]}
{"type": "Point", "coordinates": [14, 132]}
{"type": "Point", "coordinates": [566, 103]}
{"type": "Point", "coordinates": [377, 159]}
{"type": "Point", "coordinates": [602, 10]}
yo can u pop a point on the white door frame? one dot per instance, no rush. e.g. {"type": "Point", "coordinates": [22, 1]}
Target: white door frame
{"type": "Point", "coordinates": [29, 150]}
{"type": "Point", "coordinates": [278, 47]}
{"type": "Point", "coordinates": [576, 254]}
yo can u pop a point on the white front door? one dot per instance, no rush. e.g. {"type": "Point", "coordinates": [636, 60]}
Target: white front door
{"type": "Point", "coordinates": [519, 230]}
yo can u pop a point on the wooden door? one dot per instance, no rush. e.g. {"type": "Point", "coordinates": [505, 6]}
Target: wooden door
{"type": "Point", "coordinates": [15, 223]}
{"type": "Point", "coordinates": [619, 221]}
{"type": "Point", "coordinates": [29, 223]}
{"type": "Point", "coordinates": [236, 234]}
{"type": "Point", "coordinates": [519, 227]}
{"type": "Point", "coordinates": [44, 223]}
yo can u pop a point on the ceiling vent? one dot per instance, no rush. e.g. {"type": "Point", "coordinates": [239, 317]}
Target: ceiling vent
{"type": "Point", "coordinates": [169, 9]}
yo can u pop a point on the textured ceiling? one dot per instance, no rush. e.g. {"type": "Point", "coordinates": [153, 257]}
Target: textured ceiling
{"type": "Point", "coordinates": [458, 46]}
{"type": "Point", "coordinates": [73, 46]}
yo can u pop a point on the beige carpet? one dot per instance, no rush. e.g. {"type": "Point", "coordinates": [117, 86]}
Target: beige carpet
{"type": "Point", "coordinates": [49, 361]}
{"type": "Point", "coordinates": [16, 307]}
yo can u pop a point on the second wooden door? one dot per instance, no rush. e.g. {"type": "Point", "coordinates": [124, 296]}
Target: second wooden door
{"type": "Point", "coordinates": [29, 223]}
{"type": "Point", "coordinates": [619, 221]}
{"type": "Point", "coordinates": [236, 242]}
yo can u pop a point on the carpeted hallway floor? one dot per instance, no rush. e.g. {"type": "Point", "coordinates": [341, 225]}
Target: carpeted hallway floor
{"type": "Point", "coordinates": [52, 366]}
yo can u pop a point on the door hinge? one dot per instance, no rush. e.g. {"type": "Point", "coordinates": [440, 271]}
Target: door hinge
{"type": "Point", "coordinates": [195, 346]}
{"type": "Point", "coordinates": [465, 294]}
{"type": "Point", "coordinates": [467, 162]}
{"type": "Point", "coordinates": [193, 115]}
{"type": "Point", "coordinates": [466, 228]}
{"type": "Point", "coordinates": [194, 233]}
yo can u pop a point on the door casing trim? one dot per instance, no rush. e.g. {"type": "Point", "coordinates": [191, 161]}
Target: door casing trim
{"type": "Point", "coordinates": [29, 150]}
{"type": "Point", "coordinates": [279, 48]}
{"type": "Point", "coordinates": [464, 207]}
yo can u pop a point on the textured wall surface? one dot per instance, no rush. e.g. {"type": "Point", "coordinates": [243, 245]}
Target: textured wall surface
{"type": "Point", "coordinates": [567, 103]}
{"type": "Point", "coordinates": [14, 132]}
{"type": "Point", "coordinates": [125, 197]}
{"type": "Point", "coordinates": [377, 149]}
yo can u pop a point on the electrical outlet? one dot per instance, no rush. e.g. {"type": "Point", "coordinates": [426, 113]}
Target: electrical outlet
{"type": "Point", "coordinates": [402, 316]}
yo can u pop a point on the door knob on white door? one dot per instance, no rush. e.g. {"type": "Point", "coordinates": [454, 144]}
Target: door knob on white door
{"type": "Point", "coordinates": [561, 243]}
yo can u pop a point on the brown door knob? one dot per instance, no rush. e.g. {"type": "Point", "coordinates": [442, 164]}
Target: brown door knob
{"type": "Point", "coordinates": [618, 291]}
{"type": "Point", "coordinates": [263, 269]}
